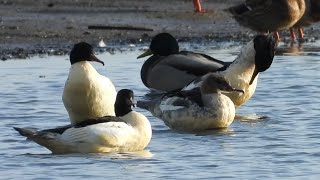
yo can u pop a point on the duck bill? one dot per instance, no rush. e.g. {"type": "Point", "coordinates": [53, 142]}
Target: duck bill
{"type": "Point", "coordinates": [94, 58]}
{"type": "Point", "coordinates": [254, 75]}
{"type": "Point", "coordinates": [147, 53]}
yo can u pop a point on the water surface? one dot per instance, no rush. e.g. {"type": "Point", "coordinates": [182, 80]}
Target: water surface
{"type": "Point", "coordinates": [285, 145]}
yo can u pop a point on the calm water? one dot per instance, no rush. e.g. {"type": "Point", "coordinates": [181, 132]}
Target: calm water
{"type": "Point", "coordinates": [286, 145]}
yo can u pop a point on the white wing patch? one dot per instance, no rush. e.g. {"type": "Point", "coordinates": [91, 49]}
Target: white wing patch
{"type": "Point", "coordinates": [110, 134]}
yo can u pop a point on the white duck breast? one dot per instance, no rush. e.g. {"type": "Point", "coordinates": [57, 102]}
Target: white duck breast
{"type": "Point", "coordinates": [87, 94]}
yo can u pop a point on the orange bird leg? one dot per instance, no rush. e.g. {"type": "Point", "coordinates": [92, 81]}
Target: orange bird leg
{"type": "Point", "coordinates": [300, 30]}
{"type": "Point", "coordinates": [276, 36]}
{"type": "Point", "coordinates": [292, 34]}
{"type": "Point", "coordinates": [197, 6]}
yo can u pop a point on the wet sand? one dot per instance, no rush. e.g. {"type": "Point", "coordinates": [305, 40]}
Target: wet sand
{"type": "Point", "coordinates": [52, 27]}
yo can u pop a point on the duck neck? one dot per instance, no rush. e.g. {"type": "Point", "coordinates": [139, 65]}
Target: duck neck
{"type": "Point", "coordinates": [121, 109]}
{"type": "Point", "coordinates": [242, 67]}
{"type": "Point", "coordinates": [83, 66]}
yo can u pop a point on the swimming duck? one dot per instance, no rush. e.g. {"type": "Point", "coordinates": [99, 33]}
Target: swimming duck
{"type": "Point", "coordinates": [87, 94]}
{"type": "Point", "coordinates": [169, 69]}
{"type": "Point", "coordinates": [198, 109]}
{"type": "Point", "coordinates": [242, 73]}
{"type": "Point", "coordinates": [256, 56]}
{"type": "Point", "coordinates": [268, 15]}
{"type": "Point", "coordinates": [129, 131]}
{"type": "Point", "coordinates": [311, 16]}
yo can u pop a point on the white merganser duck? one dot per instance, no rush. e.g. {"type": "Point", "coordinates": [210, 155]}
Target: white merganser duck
{"type": "Point", "coordinates": [87, 94]}
{"type": "Point", "coordinates": [196, 110]}
{"type": "Point", "coordinates": [131, 131]}
{"type": "Point", "coordinates": [255, 57]}
{"type": "Point", "coordinates": [170, 69]}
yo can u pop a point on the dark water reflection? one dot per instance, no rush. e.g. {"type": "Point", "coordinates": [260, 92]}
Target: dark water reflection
{"type": "Point", "coordinates": [284, 145]}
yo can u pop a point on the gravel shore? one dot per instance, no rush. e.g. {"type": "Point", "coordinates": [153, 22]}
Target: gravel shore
{"type": "Point", "coordinates": [52, 27]}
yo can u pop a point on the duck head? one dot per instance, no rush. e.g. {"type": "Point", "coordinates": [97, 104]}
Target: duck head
{"type": "Point", "coordinates": [83, 52]}
{"type": "Point", "coordinates": [124, 102]}
{"type": "Point", "coordinates": [214, 83]}
{"type": "Point", "coordinates": [264, 45]}
{"type": "Point", "coordinates": [163, 44]}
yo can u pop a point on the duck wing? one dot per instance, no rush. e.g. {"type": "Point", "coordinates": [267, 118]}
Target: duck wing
{"type": "Point", "coordinates": [193, 96]}
{"type": "Point", "coordinates": [193, 63]}
{"type": "Point", "coordinates": [250, 6]}
{"type": "Point", "coordinates": [62, 129]}
{"type": "Point", "coordinates": [104, 134]}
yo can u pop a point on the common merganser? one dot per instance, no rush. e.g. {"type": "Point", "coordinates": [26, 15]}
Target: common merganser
{"type": "Point", "coordinates": [255, 57]}
{"type": "Point", "coordinates": [87, 94]}
{"type": "Point", "coordinates": [129, 131]}
{"type": "Point", "coordinates": [198, 109]}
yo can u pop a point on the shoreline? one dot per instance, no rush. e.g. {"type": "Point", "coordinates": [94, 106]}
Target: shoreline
{"type": "Point", "coordinates": [31, 28]}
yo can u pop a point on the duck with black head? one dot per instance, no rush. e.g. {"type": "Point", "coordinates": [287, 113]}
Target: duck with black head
{"type": "Point", "coordinates": [87, 94]}
{"type": "Point", "coordinates": [128, 131]}
{"type": "Point", "coordinates": [169, 69]}
{"type": "Point", "coordinates": [255, 57]}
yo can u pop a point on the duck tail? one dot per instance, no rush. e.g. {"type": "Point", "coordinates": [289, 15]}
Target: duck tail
{"type": "Point", "coordinates": [49, 140]}
{"type": "Point", "coordinates": [145, 104]}
{"type": "Point", "coordinates": [25, 132]}
{"type": "Point", "coordinates": [34, 135]}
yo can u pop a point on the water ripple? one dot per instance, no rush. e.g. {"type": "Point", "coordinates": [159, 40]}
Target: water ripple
{"type": "Point", "coordinates": [284, 145]}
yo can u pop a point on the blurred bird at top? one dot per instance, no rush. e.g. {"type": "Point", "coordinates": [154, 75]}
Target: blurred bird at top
{"type": "Point", "coordinates": [268, 15]}
{"type": "Point", "coordinates": [310, 16]}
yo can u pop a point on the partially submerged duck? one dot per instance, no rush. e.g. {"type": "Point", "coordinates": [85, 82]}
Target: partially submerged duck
{"type": "Point", "coordinates": [198, 109]}
{"type": "Point", "coordinates": [129, 131]}
{"type": "Point", "coordinates": [87, 94]}
{"type": "Point", "coordinates": [268, 15]}
{"type": "Point", "coordinates": [169, 69]}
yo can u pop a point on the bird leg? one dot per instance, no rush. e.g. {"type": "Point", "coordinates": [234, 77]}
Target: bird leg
{"type": "Point", "coordinates": [197, 6]}
{"type": "Point", "coordinates": [292, 34]}
{"type": "Point", "coordinates": [300, 30]}
{"type": "Point", "coordinates": [276, 36]}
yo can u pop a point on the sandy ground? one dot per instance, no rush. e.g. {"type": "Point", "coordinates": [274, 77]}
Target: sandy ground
{"type": "Point", "coordinates": [53, 26]}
